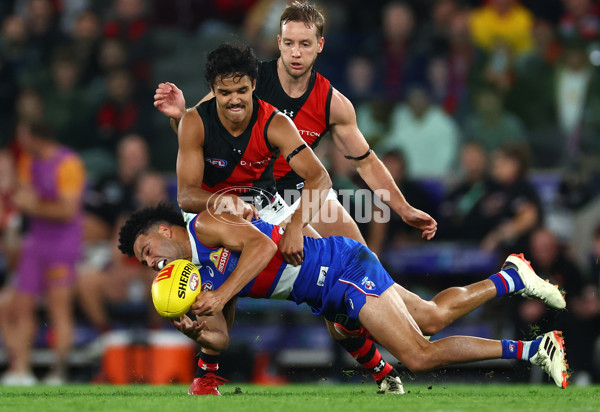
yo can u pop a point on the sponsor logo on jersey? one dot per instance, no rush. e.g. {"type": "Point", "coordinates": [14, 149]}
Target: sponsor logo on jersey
{"type": "Point", "coordinates": [309, 133]}
{"type": "Point", "coordinates": [369, 285]}
{"type": "Point", "coordinates": [220, 258]}
{"type": "Point", "coordinates": [164, 274]}
{"type": "Point", "coordinates": [288, 113]}
{"type": "Point", "coordinates": [257, 164]}
{"type": "Point", "coordinates": [207, 286]}
{"type": "Point", "coordinates": [218, 163]}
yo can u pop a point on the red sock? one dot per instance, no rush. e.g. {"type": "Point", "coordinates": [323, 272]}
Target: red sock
{"type": "Point", "coordinates": [365, 353]}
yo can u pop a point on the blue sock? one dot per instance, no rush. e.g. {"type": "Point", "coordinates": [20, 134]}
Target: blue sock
{"type": "Point", "coordinates": [507, 281]}
{"type": "Point", "coordinates": [516, 349]}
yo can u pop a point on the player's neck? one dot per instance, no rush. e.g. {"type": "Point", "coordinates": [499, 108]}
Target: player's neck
{"type": "Point", "coordinates": [292, 86]}
{"type": "Point", "coordinates": [235, 128]}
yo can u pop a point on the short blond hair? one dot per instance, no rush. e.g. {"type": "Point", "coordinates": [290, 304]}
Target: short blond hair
{"type": "Point", "coordinates": [303, 12]}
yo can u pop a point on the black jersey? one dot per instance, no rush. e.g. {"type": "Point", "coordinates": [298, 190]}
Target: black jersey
{"type": "Point", "coordinates": [310, 113]}
{"type": "Point", "coordinates": [234, 164]}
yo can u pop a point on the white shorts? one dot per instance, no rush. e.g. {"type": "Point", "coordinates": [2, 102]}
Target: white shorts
{"type": "Point", "coordinates": [331, 195]}
{"type": "Point", "coordinates": [274, 213]}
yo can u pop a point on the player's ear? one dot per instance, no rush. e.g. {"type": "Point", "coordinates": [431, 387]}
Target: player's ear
{"type": "Point", "coordinates": [254, 85]}
{"type": "Point", "coordinates": [320, 44]}
{"type": "Point", "coordinates": [165, 230]}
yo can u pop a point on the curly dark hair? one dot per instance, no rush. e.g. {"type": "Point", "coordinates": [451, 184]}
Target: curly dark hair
{"type": "Point", "coordinates": [228, 60]}
{"type": "Point", "coordinates": [142, 220]}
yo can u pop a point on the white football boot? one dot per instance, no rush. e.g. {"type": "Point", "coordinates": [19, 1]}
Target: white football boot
{"type": "Point", "coordinates": [391, 385]}
{"type": "Point", "coordinates": [551, 357]}
{"type": "Point", "coordinates": [535, 287]}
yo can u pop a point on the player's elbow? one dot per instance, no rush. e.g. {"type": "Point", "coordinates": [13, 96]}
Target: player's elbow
{"type": "Point", "coordinates": [222, 344]}
{"type": "Point", "coordinates": [321, 179]}
{"type": "Point", "coordinates": [187, 203]}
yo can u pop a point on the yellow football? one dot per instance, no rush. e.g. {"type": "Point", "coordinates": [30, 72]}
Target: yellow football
{"type": "Point", "coordinates": [175, 288]}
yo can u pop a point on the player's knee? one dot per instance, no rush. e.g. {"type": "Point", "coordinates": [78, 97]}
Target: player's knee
{"type": "Point", "coordinates": [417, 362]}
{"type": "Point", "coordinates": [435, 322]}
{"type": "Point", "coordinates": [421, 359]}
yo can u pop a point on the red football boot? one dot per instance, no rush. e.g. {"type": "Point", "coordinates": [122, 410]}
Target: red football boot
{"type": "Point", "coordinates": [206, 385]}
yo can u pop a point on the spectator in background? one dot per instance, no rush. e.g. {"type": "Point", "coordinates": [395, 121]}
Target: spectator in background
{"type": "Point", "coordinates": [437, 28]}
{"type": "Point", "coordinates": [120, 113]}
{"type": "Point", "coordinates": [52, 180]}
{"type": "Point", "coordinates": [577, 91]}
{"type": "Point", "coordinates": [151, 189]}
{"type": "Point", "coordinates": [400, 60]}
{"type": "Point", "coordinates": [464, 64]}
{"type": "Point", "coordinates": [511, 207]}
{"type": "Point", "coordinates": [535, 73]}
{"type": "Point", "coordinates": [364, 91]}
{"type": "Point", "coordinates": [394, 233]}
{"type": "Point", "coordinates": [112, 56]}
{"type": "Point", "coordinates": [107, 203]}
{"type": "Point", "coordinates": [581, 19]}
{"type": "Point", "coordinates": [490, 124]}
{"type": "Point", "coordinates": [502, 21]}
{"type": "Point", "coordinates": [459, 216]}
{"type": "Point", "coordinates": [44, 31]}
{"type": "Point", "coordinates": [427, 136]}
{"type": "Point", "coordinates": [65, 106]}
{"type": "Point", "coordinates": [85, 43]}
{"type": "Point", "coordinates": [130, 25]}
{"type": "Point", "coordinates": [17, 51]}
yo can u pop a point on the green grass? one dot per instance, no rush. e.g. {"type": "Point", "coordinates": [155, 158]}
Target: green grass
{"type": "Point", "coordinates": [305, 398]}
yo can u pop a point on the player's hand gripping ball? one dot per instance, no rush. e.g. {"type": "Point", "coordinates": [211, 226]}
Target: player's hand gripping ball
{"type": "Point", "coordinates": [175, 288]}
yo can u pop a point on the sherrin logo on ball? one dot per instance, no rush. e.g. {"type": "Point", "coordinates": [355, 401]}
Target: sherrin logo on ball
{"type": "Point", "coordinates": [175, 288]}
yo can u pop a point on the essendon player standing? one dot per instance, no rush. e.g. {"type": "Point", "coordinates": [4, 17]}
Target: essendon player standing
{"type": "Point", "coordinates": [227, 146]}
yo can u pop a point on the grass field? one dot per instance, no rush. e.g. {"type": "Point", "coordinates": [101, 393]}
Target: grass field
{"type": "Point", "coordinates": [305, 398]}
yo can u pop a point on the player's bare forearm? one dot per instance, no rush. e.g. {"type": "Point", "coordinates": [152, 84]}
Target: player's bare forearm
{"type": "Point", "coordinates": [236, 234]}
{"type": "Point", "coordinates": [312, 198]}
{"type": "Point", "coordinates": [194, 199]}
{"type": "Point", "coordinates": [210, 332]}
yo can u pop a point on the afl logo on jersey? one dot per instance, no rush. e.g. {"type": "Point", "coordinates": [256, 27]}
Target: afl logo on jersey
{"type": "Point", "coordinates": [219, 163]}
{"type": "Point", "coordinates": [207, 286]}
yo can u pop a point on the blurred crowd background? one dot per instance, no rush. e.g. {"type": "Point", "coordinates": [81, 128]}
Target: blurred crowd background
{"type": "Point", "coordinates": [485, 112]}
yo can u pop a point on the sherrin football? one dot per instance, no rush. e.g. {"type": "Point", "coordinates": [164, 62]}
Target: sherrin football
{"type": "Point", "coordinates": [175, 288]}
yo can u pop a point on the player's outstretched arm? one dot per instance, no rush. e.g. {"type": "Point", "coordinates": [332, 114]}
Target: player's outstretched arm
{"type": "Point", "coordinates": [210, 332]}
{"type": "Point", "coordinates": [351, 142]}
{"type": "Point", "coordinates": [283, 134]}
{"type": "Point", "coordinates": [222, 229]}
{"type": "Point", "coordinates": [169, 100]}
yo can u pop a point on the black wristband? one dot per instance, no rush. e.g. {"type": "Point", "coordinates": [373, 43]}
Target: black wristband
{"type": "Point", "coordinates": [295, 152]}
{"type": "Point", "coordinates": [359, 157]}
